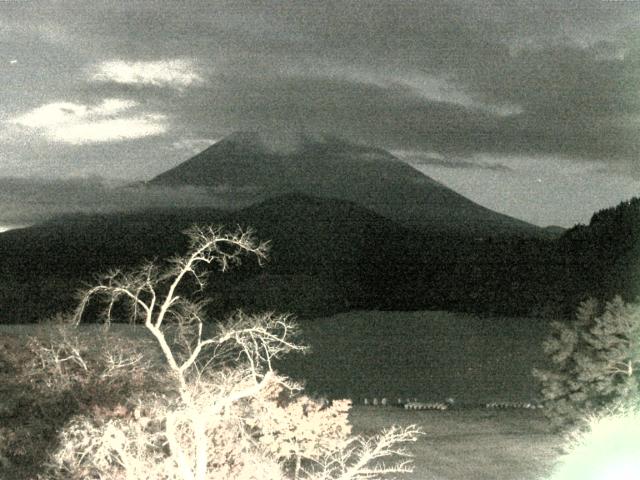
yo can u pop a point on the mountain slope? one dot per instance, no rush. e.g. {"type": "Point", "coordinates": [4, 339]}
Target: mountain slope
{"type": "Point", "coordinates": [327, 255]}
{"type": "Point", "coordinates": [334, 248]}
{"type": "Point", "coordinates": [331, 168]}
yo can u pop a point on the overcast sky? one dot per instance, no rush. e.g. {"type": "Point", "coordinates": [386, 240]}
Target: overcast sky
{"type": "Point", "coordinates": [531, 108]}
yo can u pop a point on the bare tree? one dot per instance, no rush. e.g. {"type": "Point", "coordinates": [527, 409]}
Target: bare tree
{"type": "Point", "coordinates": [155, 300]}
{"type": "Point", "coordinates": [234, 415]}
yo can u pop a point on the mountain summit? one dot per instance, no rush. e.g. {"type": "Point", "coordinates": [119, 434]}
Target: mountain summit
{"type": "Point", "coordinates": [270, 165]}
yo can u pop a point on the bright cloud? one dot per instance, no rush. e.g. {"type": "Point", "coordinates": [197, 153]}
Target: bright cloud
{"type": "Point", "coordinates": [163, 73]}
{"type": "Point", "coordinates": [79, 124]}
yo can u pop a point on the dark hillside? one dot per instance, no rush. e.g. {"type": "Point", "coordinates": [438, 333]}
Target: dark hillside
{"type": "Point", "coordinates": [602, 259]}
{"type": "Point", "coordinates": [337, 245]}
{"type": "Point", "coordinates": [85, 244]}
{"type": "Point", "coordinates": [361, 254]}
{"type": "Point", "coordinates": [44, 265]}
{"type": "Point", "coordinates": [328, 256]}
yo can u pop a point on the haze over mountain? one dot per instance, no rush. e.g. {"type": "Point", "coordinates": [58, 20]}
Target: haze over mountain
{"type": "Point", "coordinates": [269, 165]}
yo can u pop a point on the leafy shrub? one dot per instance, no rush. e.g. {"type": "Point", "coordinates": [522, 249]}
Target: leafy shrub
{"type": "Point", "coordinates": [596, 361]}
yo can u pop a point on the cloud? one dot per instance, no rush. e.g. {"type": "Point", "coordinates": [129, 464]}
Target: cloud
{"type": "Point", "coordinates": [66, 112]}
{"type": "Point", "coordinates": [396, 117]}
{"type": "Point", "coordinates": [30, 200]}
{"type": "Point", "coordinates": [79, 124]}
{"type": "Point", "coordinates": [162, 73]}
{"type": "Point", "coordinates": [461, 78]}
{"type": "Point", "coordinates": [566, 84]}
{"type": "Point", "coordinates": [437, 160]}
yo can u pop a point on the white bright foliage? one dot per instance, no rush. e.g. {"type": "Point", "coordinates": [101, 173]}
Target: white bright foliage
{"type": "Point", "coordinates": [77, 124]}
{"type": "Point", "coordinates": [609, 449]}
{"type": "Point", "coordinates": [162, 73]}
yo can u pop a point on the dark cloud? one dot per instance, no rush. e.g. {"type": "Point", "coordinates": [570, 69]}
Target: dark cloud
{"type": "Point", "coordinates": [565, 82]}
{"type": "Point", "coordinates": [368, 69]}
{"type": "Point", "coordinates": [398, 117]}
{"type": "Point", "coordinates": [550, 78]}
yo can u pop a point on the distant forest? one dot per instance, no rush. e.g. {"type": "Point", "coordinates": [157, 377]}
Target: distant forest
{"type": "Point", "coordinates": [329, 256]}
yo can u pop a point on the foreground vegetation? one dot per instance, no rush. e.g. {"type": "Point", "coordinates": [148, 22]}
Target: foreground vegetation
{"type": "Point", "coordinates": [596, 362]}
{"type": "Point", "coordinates": [215, 408]}
{"type": "Point", "coordinates": [496, 444]}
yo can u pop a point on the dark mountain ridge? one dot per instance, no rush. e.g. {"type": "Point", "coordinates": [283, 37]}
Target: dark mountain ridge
{"type": "Point", "coordinates": [327, 255]}
{"type": "Point", "coordinates": [314, 241]}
